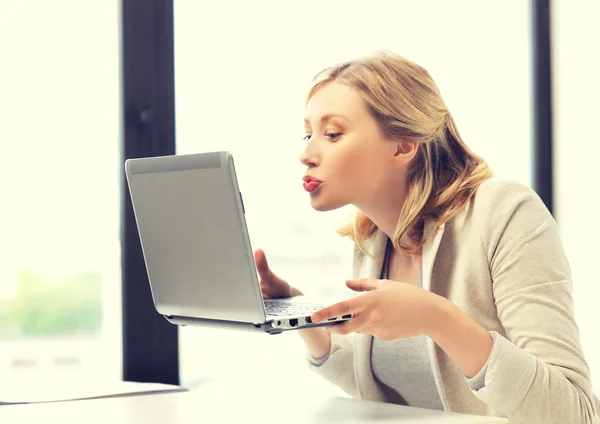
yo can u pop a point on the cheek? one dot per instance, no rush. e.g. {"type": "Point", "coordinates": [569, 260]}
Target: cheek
{"type": "Point", "coordinates": [357, 168]}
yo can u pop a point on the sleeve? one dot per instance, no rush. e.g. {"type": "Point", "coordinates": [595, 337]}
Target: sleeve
{"type": "Point", "coordinates": [317, 362]}
{"type": "Point", "coordinates": [537, 374]}
{"type": "Point", "coordinates": [338, 366]}
{"type": "Point", "coordinates": [477, 382]}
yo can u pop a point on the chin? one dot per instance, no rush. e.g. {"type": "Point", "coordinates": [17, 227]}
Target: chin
{"type": "Point", "coordinates": [321, 208]}
{"type": "Point", "coordinates": [321, 204]}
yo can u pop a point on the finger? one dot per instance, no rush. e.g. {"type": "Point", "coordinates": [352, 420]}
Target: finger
{"type": "Point", "coordinates": [262, 266]}
{"type": "Point", "coordinates": [365, 284]}
{"type": "Point", "coordinates": [264, 288]}
{"type": "Point", "coordinates": [357, 324]}
{"type": "Point", "coordinates": [337, 310]}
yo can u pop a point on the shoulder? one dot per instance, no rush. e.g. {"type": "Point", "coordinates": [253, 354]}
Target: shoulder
{"type": "Point", "coordinates": [502, 207]}
{"type": "Point", "coordinates": [501, 199]}
{"type": "Point", "coordinates": [496, 192]}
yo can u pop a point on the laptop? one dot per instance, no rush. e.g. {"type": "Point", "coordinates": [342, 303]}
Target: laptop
{"type": "Point", "coordinates": [191, 222]}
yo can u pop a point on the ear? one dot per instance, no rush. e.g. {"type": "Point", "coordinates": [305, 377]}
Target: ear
{"type": "Point", "coordinates": [406, 150]}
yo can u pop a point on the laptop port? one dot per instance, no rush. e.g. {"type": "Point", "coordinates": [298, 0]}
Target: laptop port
{"type": "Point", "coordinates": [308, 320]}
{"type": "Point", "coordinates": [331, 319]}
{"type": "Point", "coordinates": [347, 316]}
{"type": "Point", "coordinates": [294, 322]}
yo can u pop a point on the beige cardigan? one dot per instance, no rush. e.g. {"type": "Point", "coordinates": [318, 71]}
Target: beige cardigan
{"type": "Point", "coordinates": [501, 261]}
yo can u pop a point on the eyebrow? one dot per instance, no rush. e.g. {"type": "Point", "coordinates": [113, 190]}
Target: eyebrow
{"type": "Point", "coordinates": [327, 117]}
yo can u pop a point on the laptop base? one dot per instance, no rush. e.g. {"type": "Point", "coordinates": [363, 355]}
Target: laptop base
{"type": "Point", "coordinates": [275, 325]}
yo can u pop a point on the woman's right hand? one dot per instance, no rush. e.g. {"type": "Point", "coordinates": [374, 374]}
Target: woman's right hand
{"type": "Point", "coordinates": [271, 285]}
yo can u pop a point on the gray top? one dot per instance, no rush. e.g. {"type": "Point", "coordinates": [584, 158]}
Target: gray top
{"type": "Point", "coordinates": [403, 366]}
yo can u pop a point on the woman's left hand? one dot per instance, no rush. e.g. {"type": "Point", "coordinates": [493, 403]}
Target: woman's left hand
{"type": "Point", "coordinates": [389, 310]}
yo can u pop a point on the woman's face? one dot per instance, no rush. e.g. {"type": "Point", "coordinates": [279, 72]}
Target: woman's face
{"type": "Point", "coordinates": [348, 159]}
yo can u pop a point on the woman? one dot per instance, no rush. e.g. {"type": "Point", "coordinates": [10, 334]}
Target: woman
{"type": "Point", "coordinates": [467, 300]}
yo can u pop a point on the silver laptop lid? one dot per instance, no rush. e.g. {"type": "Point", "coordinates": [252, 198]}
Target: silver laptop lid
{"type": "Point", "coordinates": [194, 237]}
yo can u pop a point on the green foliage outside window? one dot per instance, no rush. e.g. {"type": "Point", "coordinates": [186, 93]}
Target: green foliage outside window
{"type": "Point", "coordinates": [42, 308]}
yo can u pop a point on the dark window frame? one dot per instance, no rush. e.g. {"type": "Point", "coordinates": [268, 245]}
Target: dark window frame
{"type": "Point", "coordinates": [150, 343]}
{"type": "Point", "coordinates": [543, 172]}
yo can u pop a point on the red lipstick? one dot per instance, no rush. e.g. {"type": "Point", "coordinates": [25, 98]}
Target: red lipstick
{"type": "Point", "coordinates": [310, 183]}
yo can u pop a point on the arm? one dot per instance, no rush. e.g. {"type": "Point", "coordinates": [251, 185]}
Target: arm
{"type": "Point", "coordinates": [337, 364]}
{"type": "Point", "coordinates": [318, 341]}
{"type": "Point", "coordinates": [537, 374]}
{"type": "Point", "coordinates": [467, 343]}
{"type": "Point", "coordinates": [332, 355]}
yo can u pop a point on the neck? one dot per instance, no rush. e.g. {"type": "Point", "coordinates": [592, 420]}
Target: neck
{"type": "Point", "coordinates": [384, 208]}
{"type": "Point", "coordinates": [386, 220]}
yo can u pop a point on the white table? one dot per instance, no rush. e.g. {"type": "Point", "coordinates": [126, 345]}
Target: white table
{"type": "Point", "coordinates": [220, 404]}
{"type": "Point", "coordinates": [36, 390]}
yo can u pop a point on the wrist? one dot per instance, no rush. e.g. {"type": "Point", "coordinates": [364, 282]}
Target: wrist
{"type": "Point", "coordinates": [466, 342]}
{"type": "Point", "coordinates": [439, 313]}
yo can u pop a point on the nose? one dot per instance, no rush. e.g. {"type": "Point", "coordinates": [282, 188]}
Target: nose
{"type": "Point", "coordinates": [309, 156]}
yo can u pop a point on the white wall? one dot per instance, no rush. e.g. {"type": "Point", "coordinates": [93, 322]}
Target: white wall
{"type": "Point", "coordinates": [576, 85]}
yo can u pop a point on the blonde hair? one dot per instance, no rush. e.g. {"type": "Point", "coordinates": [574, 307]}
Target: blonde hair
{"type": "Point", "coordinates": [408, 106]}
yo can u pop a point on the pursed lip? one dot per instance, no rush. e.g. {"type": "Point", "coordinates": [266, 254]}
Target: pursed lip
{"type": "Point", "coordinates": [311, 183]}
{"type": "Point", "coordinates": [310, 179]}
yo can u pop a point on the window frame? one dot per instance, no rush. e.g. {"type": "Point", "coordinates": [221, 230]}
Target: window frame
{"type": "Point", "coordinates": [150, 343]}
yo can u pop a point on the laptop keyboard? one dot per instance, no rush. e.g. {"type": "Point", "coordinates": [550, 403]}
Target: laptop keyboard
{"type": "Point", "coordinates": [278, 308]}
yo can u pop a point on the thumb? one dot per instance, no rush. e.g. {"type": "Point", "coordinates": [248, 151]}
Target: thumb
{"type": "Point", "coordinates": [365, 284]}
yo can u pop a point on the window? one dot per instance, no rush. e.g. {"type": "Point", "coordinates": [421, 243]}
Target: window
{"type": "Point", "coordinates": [59, 233]}
{"type": "Point", "coordinates": [245, 93]}
{"type": "Point", "coordinates": [576, 152]}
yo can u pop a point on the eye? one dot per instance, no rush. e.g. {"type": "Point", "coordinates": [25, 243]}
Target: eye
{"type": "Point", "coordinates": [307, 137]}
{"type": "Point", "coordinates": [333, 136]}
